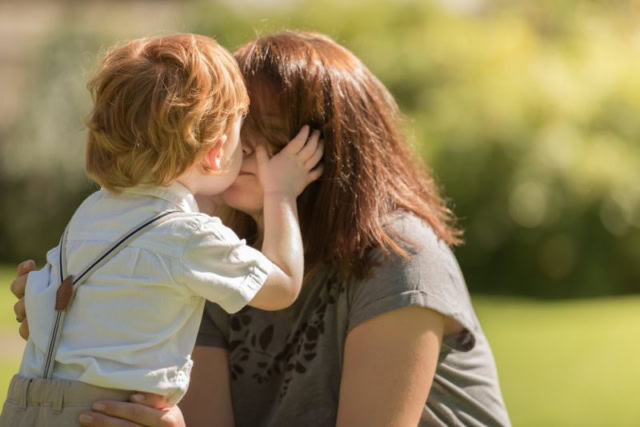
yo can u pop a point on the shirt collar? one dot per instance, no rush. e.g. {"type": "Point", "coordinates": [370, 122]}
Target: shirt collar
{"type": "Point", "coordinates": [176, 194]}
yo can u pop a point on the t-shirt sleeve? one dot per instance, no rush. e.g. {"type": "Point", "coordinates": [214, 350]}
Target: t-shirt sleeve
{"type": "Point", "coordinates": [214, 323]}
{"type": "Point", "coordinates": [429, 277]}
{"type": "Point", "coordinates": [222, 268]}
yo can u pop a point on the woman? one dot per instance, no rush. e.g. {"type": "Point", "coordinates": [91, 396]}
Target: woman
{"type": "Point", "coordinates": [383, 333]}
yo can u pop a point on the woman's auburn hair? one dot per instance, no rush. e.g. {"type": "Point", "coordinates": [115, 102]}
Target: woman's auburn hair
{"type": "Point", "coordinates": [159, 105]}
{"type": "Point", "coordinates": [370, 171]}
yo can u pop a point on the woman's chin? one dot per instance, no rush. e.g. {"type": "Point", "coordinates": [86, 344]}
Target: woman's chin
{"type": "Point", "coordinates": [243, 202]}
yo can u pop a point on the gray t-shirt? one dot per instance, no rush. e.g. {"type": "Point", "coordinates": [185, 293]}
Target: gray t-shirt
{"type": "Point", "coordinates": [286, 365]}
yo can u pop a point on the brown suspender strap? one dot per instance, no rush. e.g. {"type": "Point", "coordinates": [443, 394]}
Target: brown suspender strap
{"type": "Point", "coordinates": [68, 284]}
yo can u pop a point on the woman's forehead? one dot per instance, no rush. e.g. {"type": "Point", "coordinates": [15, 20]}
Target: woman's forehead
{"type": "Point", "coordinates": [269, 128]}
{"type": "Point", "coordinates": [262, 121]}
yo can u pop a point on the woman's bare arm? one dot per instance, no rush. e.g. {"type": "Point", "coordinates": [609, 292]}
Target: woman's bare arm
{"type": "Point", "coordinates": [388, 368]}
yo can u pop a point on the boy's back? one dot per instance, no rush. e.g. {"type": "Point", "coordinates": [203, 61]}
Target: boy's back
{"type": "Point", "coordinates": [132, 325]}
{"type": "Point", "coordinates": [165, 110]}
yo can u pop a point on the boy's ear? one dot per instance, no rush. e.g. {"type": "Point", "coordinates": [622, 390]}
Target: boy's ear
{"type": "Point", "coordinates": [213, 158]}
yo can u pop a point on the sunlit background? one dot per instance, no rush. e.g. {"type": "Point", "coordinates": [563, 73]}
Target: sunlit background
{"type": "Point", "coordinates": [528, 112]}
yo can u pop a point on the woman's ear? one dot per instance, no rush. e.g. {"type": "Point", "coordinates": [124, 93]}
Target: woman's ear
{"type": "Point", "coordinates": [213, 158]}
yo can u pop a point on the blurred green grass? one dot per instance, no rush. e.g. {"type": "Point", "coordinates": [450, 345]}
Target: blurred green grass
{"type": "Point", "coordinates": [561, 363]}
{"type": "Point", "coordinates": [12, 344]}
{"type": "Point", "coordinates": [566, 363]}
{"type": "Point", "coordinates": [7, 318]}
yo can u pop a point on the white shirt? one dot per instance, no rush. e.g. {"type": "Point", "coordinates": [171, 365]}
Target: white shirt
{"type": "Point", "coordinates": [132, 325]}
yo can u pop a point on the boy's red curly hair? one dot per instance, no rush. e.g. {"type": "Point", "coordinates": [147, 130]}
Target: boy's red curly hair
{"type": "Point", "coordinates": [159, 105]}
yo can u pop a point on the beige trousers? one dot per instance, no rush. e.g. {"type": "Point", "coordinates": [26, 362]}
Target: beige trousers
{"type": "Point", "coordinates": [38, 402]}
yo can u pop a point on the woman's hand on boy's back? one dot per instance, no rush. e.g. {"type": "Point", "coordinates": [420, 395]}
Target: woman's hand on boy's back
{"type": "Point", "coordinates": [18, 287]}
{"type": "Point", "coordinates": [144, 409]}
{"type": "Point", "coordinates": [294, 167]}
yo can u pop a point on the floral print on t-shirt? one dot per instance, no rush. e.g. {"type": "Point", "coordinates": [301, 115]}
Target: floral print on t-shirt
{"type": "Point", "coordinates": [248, 345]}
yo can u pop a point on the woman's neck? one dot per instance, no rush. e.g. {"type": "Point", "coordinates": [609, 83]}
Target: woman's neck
{"type": "Point", "coordinates": [259, 224]}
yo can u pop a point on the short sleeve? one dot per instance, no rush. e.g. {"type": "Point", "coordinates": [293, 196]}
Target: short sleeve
{"type": "Point", "coordinates": [214, 323]}
{"type": "Point", "coordinates": [220, 267]}
{"type": "Point", "coordinates": [428, 277]}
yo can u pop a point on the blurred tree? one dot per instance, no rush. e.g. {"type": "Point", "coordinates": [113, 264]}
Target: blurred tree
{"type": "Point", "coordinates": [526, 111]}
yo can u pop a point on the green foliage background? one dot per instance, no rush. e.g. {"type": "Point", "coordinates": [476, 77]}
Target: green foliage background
{"type": "Point", "coordinates": [526, 112]}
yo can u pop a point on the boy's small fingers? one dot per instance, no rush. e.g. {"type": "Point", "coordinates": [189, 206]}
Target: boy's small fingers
{"type": "Point", "coordinates": [319, 148]}
{"type": "Point", "coordinates": [313, 160]}
{"type": "Point", "coordinates": [311, 146]}
{"type": "Point", "coordinates": [296, 144]}
{"type": "Point", "coordinates": [314, 137]}
{"type": "Point", "coordinates": [316, 173]}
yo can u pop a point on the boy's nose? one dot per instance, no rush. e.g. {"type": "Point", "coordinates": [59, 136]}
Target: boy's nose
{"type": "Point", "coordinates": [246, 150]}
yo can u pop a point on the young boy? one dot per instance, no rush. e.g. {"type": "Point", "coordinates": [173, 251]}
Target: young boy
{"type": "Point", "coordinates": [130, 277]}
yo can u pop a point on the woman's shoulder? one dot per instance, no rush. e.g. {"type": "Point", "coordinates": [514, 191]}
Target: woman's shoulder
{"type": "Point", "coordinates": [412, 233]}
{"type": "Point", "coordinates": [421, 247]}
{"type": "Point", "coordinates": [426, 275]}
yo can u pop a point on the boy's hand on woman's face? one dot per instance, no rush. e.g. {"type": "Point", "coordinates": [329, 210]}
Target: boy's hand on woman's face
{"type": "Point", "coordinates": [18, 287]}
{"type": "Point", "coordinates": [294, 167]}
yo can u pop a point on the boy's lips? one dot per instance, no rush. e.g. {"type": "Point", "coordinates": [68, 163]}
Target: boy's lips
{"type": "Point", "coordinates": [245, 173]}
